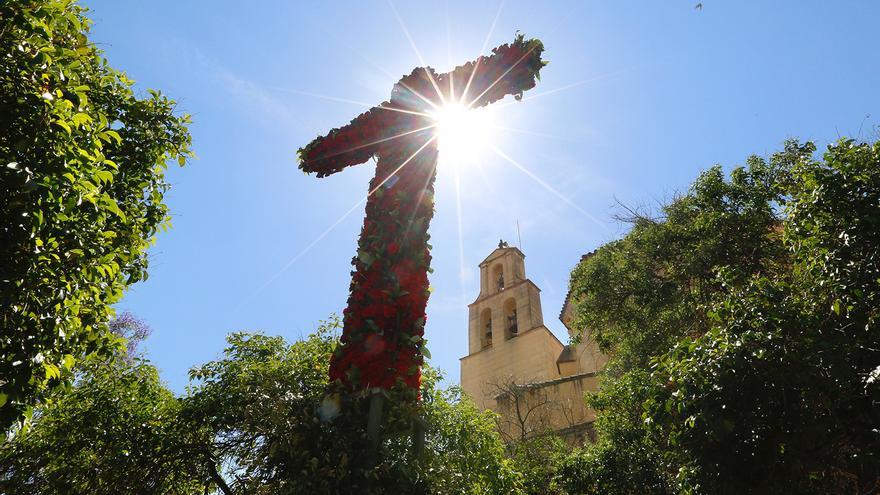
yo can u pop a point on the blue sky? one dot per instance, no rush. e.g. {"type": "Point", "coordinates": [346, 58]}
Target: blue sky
{"type": "Point", "coordinates": [637, 99]}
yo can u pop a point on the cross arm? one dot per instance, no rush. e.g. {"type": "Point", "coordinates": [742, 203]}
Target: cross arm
{"type": "Point", "coordinates": [349, 145]}
{"type": "Point", "coordinates": [511, 69]}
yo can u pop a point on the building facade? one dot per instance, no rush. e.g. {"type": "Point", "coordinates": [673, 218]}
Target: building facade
{"type": "Point", "coordinates": [515, 365]}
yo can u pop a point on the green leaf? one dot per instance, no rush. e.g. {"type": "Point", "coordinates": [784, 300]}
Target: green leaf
{"type": "Point", "coordinates": [109, 133]}
{"type": "Point", "coordinates": [80, 118]}
{"type": "Point", "coordinates": [365, 257]}
{"type": "Point", "coordinates": [111, 205]}
{"type": "Point", "coordinates": [62, 124]}
{"type": "Point", "coordinates": [104, 176]}
{"type": "Point", "coordinates": [52, 371]}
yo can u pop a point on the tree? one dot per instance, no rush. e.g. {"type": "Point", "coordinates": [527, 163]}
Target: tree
{"type": "Point", "coordinates": [133, 330]}
{"type": "Point", "coordinates": [254, 421]}
{"type": "Point", "coordinates": [263, 405]}
{"type": "Point", "coordinates": [742, 332]}
{"type": "Point", "coordinates": [116, 431]}
{"type": "Point", "coordinates": [644, 293]}
{"type": "Point", "coordinates": [625, 460]}
{"type": "Point", "coordinates": [641, 294]}
{"type": "Point", "coordinates": [82, 163]}
{"type": "Point", "coordinates": [539, 459]}
{"type": "Point", "coordinates": [525, 409]}
{"type": "Point", "coordinates": [781, 394]}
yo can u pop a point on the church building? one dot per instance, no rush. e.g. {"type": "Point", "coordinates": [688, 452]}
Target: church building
{"type": "Point", "coordinates": [516, 366]}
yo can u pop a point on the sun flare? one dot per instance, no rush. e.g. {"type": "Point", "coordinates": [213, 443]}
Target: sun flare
{"type": "Point", "coordinates": [463, 134]}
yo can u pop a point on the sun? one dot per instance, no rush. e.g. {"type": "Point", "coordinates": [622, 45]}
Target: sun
{"type": "Point", "coordinates": [463, 134]}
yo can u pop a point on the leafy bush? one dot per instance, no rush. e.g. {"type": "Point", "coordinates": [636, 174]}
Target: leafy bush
{"type": "Point", "coordinates": [261, 404]}
{"type": "Point", "coordinates": [82, 163]}
{"type": "Point", "coordinates": [117, 431]}
{"type": "Point", "coordinates": [742, 330]}
{"type": "Point", "coordinates": [250, 423]}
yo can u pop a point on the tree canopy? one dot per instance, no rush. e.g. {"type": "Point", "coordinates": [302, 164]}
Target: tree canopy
{"type": "Point", "coordinates": [264, 405]}
{"type": "Point", "coordinates": [742, 330]}
{"type": "Point", "coordinates": [82, 161]}
{"type": "Point", "coordinates": [251, 422]}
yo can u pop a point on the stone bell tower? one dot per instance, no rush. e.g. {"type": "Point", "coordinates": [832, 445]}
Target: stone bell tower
{"type": "Point", "coordinates": [507, 338]}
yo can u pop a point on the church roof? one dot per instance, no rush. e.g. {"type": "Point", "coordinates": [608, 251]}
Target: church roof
{"type": "Point", "coordinates": [567, 355]}
{"type": "Point", "coordinates": [498, 251]}
{"type": "Point", "coordinates": [567, 300]}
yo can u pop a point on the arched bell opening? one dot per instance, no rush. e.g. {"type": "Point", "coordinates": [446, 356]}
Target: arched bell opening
{"type": "Point", "coordinates": [511, 323]}
{"type": "Point", "coordinates": [497, 280]}
{"type": "Point", "coordinates": [485, 328]}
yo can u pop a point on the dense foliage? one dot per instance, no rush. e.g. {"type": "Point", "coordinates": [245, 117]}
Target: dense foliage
{"type": "Point", "coordinates": [262, 404]}
{"type": "Point", "coordinates": [538, 459]}
{"type": "Point", "coordinates": [82, 162]}
{"type": "Point", "coordinates": [250, 423]}
{"type": "Point", "coordinates": [115, 432]}
{"type": "Point", "coordinates": [742, 330]}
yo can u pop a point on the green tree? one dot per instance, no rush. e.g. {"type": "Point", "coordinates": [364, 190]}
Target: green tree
{"type": "Point", "coordinates": [742, 332]}
{"type": "Point", "coordinates": [538, 459]}
{"type": "Point", "coordinates": [116, 431]}
{"type": "Point", "coordinates": [82, 163]}
{"type": "Point", "coordinates": [263, 403]}
{"type": "Point", "coordinates": [781, 395]}
{"type": "Point", "coordinates": [624, 460]}
{"type": "Point", "coordinates": [642, 294]}
{"type": "Point", "coordinates": [250, 423]}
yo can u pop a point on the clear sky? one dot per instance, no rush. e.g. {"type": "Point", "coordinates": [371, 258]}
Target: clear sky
{"type": "Point", "coordinates": [637, 99]}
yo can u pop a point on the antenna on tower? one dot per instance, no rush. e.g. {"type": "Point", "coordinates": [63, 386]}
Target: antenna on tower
{"type": "Point", "coordinates": [518, 236]}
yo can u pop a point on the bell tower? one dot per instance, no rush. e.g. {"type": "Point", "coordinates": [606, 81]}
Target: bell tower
{"type": "Point", "coordinates": [515, 365]}
{"type": "Point", "coordinates": [506, 332]}
{"type": "Point", "coordinates": [508, 303]}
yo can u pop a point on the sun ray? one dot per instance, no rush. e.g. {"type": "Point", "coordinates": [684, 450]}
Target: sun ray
{"type": "Point", "coordinates": [421, 195]}
{"type": "Point", "coordinates": [401, 110]}
{"type": "Point", "coordinates": [512, 66]}
{"type": "Point", "coordinates": [549, 188]}
{"type": "Point", "coordinates": [449, 53]}
{"type": "Point", "coordinates": [344, 100]}
{"type": "Point", "coordinates": [371, 143]}
{"type": "Point", "coordinates": [317, 95]}
{"type": "Point", "coordinates": [570, 86]}
{"type": "Point", "coordinates": [461, 266]}
{"type": "Point", "coordinates": [329, 229]}
{"type": "Point", "coordinates": [423, 98]}
{"type": "Point", "coordinates": [467, 86]}
{"type": "Point", "coordinates": [379, 68]}
{"type": "Point", "coordinates": [418, 53]}
{"type": "Point", "coordinates": [526, 131]}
